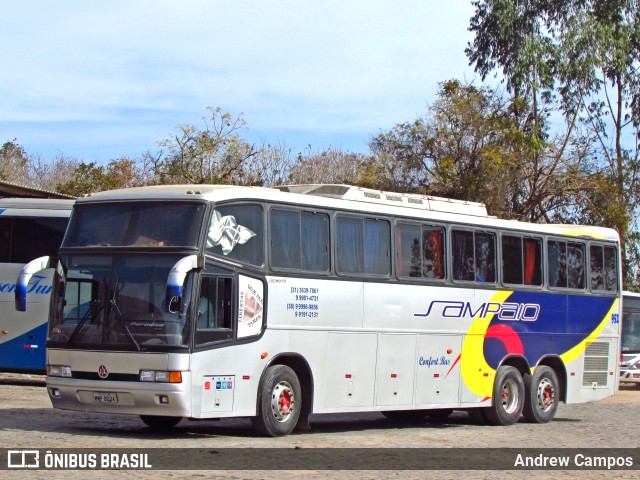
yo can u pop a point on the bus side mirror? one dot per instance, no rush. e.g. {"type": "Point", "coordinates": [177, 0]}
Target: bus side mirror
{"type": "Point", "coordinates": [34, 266]}
{"type": "Point", "coordinates": [175, 281]}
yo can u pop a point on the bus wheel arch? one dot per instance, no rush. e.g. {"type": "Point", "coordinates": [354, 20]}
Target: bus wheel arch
{"type": "Point", "coordinates": [300, 368]}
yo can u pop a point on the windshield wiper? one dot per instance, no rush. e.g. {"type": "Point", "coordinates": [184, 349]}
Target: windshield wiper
{"type": "Point", "coordinates": [123, 323]}
{"type": "Point", "coordinates": [121, 320]}
{"type": "Point", "coordinates": [90, 315]}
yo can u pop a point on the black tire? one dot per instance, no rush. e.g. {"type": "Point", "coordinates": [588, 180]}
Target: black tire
{"type": "Point", "coordinates": [439, 414]}
{"type": "Point", "coordinates": [478, 415]}
{"type": "Point", "coordinates": [542, 395]}
{"type": "Point", "coordinates": [508, 397]}
{"type": "Point", "coordinates": [279, 402]}
{"type": "Point", "coordinates": [405, 415]}
{"type": "Point", "coordinates": [160, 423]}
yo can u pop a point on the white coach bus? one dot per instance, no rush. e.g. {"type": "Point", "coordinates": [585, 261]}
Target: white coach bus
{"type": "Point", "coordinates": [29, 228]}
{"type": "Point", "coordinates": [220, 301]}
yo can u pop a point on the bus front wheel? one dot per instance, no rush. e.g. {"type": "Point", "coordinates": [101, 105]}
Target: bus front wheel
{"type": "Point", "coordinates": [279, 402]}
{"type": "Point", "coordinates": [541, 395]}
{"type": "Point", "coordinates": [508, 397]}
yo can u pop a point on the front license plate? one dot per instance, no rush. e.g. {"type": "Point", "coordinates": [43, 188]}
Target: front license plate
{"type": "Point", "coordinates": [103, 397]}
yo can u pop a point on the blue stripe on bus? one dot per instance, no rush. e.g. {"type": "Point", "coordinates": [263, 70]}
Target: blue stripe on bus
{"type": "Point", "coordinates": [2, 210]}
{"type": "Point", "coordinates": [553, 333]}
{"type": "Point", "coordinates": [25, 352]}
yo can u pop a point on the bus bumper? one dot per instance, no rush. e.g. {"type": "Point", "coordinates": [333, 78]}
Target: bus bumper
{"type": "Point", "coordinates": [136, 398]}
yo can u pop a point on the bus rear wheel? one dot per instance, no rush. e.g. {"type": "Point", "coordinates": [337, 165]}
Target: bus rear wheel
{"type": "Point", "coordinates": [160, 423]}
{"type": "Point", "coordinates": [508, 397]}
{"type": "Point", "coordinates": [541, 395]}
{"type": "Point", "coordinates": [279, 402]}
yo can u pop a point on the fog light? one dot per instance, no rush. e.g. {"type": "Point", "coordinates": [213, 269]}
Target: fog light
{"type": "Point", "coordinates": [54, 392]}
{"type": "Point", "coordinates": [164, 399]}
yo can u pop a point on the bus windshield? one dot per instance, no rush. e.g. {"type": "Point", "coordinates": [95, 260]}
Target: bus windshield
{"type": "Point", "coordinates": [138, 224]}
{"type": "Point", "coordinates": [117, 301]}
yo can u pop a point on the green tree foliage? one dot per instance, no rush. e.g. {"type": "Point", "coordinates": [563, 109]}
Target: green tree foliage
{"type": "Point", "coordinates": [582, 58]}
{"type": "Point", "coordinates": [215, 154]}
{"type": "Point", "coordinates": [331, 165]}
{"type": "Point", "coordinates": [14, 163]}
{"type": "Point", "coordinates": [473, 144]}
{"type": "Point", "coordinates": [91, 177]}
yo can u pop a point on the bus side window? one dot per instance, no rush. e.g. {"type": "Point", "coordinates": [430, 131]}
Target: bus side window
{"type": "Point", "coordinates": [419, 252]}
{"type": "Point", "coordinates": [557, 258]}
{"type": "Point", "coordinates": [603, 272]}
{"type": "Point", "coordinates": [485, 246]}
{"type": "Point", "coordinates": [521, 260]}
{"type": "Point", "coordinates": [299, 240]}
{"type": "Point", "coordinates": [596, 268]}
{"type": "Point", "coordinates": [462, 250]}
{"type": "Point", "coordinates": [575, 265]}
{"type": "Point", "coordinates": [433, 252]}
{"type": "Point", "coordinates": [474, 256]}
{"type": "Point", "coordinates": [363, 246]}
{"type": "Point", "coordinates": [213, 315]}
{"type": "Point", "coordinates": [610, 269]}
{"type": "Point", "coordinates": [512, 260]}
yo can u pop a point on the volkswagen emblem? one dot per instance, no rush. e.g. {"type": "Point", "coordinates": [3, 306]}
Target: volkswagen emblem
{"type": "Point", "coordinates": [103, 372]}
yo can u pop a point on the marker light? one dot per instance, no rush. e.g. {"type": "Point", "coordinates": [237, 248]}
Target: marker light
{"type": "Point", "coordinates": [160, 376]}
{"type": "Point", "coordinates": [59, 371]}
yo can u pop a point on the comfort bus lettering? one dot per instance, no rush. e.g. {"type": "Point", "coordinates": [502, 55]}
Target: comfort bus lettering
{"type": "Point", "coordinates": [524, 312]}
{"type": "Point", "coordinates": [35, 286]}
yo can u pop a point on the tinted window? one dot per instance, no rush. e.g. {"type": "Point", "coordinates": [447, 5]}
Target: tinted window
{"type": "Point", "coordinates": [603, 272]}
{"type": "Point", "coordinates": [214, 320]}
{"type": "Point", "coordinates": [521, 260]}
{"type": "Point", "coordinates": [23, 239]}
{"type": "Point", "coordinates": [285, 239]}
{"type": "Point", "coordinates": [566, 264]}
{"type": "Point", "coordinates": [299, 240]}
{"type": "Point", "coordinates": [237, 232]}
{"type": "Point", "coordinates": [315, 242]}
{"type": "Point", "coordinates": [420, 251]}
{"type": "Point", "coordinates": [136, 224]}
{"type": "Point", "coordinates": [474, 256]}
{"type": "Point", "coordinates": [363, 246]}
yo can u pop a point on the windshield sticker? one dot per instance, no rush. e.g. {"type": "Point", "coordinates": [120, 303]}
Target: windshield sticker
{"type": "Point", "coordinates": [226, 232]}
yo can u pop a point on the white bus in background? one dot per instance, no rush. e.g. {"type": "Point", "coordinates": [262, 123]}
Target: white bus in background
{"type": "Point", "coordinates": [630, 358]}
{"type": "Point", "coordinates": [218, 301]}
{"type": "Point", "coordinates": [29, 228]}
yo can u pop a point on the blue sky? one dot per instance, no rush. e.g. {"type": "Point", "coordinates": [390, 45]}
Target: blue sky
{"type": "Point", "coordinates": [100, 80]}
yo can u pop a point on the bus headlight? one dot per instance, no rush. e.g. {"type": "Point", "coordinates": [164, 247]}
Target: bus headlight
{"type": "Point", "coordinates": [160, 376]}
{"type": "Point", "coordinates": [59, 371]}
